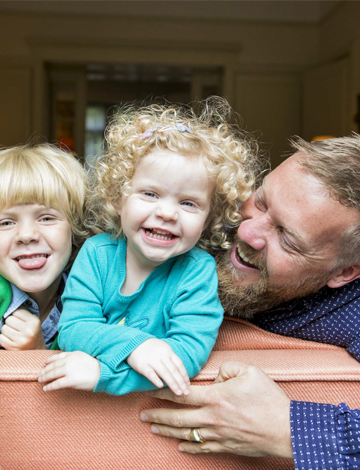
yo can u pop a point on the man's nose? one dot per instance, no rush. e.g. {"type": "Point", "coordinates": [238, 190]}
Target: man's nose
{"type": "Point", "coordinates": [253, 232]}
{"type": "Point", "coordinates": [167, 211]}
{"type": "Point", "coordinates": [27, 233]}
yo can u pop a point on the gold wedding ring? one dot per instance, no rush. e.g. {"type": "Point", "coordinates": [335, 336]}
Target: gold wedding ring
{"type": "Point", "coordinates": [195, 436]}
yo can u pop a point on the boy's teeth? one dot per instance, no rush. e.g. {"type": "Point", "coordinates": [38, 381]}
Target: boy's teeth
{"type": "Point", "coordinates": [41, 255]}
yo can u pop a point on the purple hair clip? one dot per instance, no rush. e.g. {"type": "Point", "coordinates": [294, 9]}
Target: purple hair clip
{"type": "Point", "coordinates": [177, 126]}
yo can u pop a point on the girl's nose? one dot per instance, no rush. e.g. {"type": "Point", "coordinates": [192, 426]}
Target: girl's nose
{"type": "Point", "coordinates": [167, 212]}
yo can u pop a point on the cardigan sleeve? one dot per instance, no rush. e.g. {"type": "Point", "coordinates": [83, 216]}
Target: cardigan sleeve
{"type": "Point", "coordinates": [325, 436]}
{"type": "Point", "coordinates": [82, 325]}
{"type": "Point", "coordinates": [196, 314]}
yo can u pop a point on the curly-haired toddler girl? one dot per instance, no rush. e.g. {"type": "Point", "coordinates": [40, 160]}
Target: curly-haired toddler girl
{"type": "Point", "coordinates": [142, 298]}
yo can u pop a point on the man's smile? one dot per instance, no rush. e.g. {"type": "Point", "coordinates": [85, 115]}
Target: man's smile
{"type": "Point", "coordinates": [240, 260]}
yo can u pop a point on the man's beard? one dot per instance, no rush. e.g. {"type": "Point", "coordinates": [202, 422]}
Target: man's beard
{"type": "Point", "coordinates": [245, 301]}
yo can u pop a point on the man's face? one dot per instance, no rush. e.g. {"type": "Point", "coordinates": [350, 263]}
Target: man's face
{"type": "Point", "coordinates": [286, 246]}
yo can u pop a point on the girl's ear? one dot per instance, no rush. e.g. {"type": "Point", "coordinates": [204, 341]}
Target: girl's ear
{"type": "Point", "coordinates": [117, 207]}
{"type": "Point", "coordinates": [344, 276]}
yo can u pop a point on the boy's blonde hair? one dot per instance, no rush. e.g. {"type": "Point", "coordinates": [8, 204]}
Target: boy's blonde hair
{"type": "Point", "coordinates": [45, 175]}
{"type": "Point", "coordinates": [228, 155]}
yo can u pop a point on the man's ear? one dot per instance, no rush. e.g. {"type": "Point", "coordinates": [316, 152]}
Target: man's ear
{"type": "Point", "coordinates": [344, 276]}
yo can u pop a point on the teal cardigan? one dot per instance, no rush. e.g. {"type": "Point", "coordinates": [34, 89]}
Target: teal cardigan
{"type": "Point", "coordinates": [178, 303]}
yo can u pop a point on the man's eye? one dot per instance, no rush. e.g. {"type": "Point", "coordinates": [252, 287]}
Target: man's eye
{"type": "Point", "coordinates": [259, 203]}
{"type": "Point", "coordinates": [285, 242]}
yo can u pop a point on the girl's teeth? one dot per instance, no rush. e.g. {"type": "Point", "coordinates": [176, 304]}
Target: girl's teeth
{"type": "Point", "coordinates": [159, 234]}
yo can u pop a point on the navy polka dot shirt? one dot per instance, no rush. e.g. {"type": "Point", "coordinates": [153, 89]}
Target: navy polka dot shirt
{"type": "Point", "coordinates": [324, 437]}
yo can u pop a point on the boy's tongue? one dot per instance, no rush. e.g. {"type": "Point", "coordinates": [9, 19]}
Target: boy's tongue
{"type": "Point", "coordinates": [32, 263]}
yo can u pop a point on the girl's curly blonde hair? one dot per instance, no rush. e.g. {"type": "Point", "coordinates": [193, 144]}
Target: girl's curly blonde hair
{"type": "Point", "coordinates": [228, 153]}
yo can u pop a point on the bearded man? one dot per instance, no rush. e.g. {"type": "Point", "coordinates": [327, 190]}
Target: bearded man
{"type": "Point", "coordinates": [294, 270]}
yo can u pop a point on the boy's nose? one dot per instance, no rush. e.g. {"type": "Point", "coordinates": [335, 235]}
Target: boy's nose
{"type": "Point", "coordinates": [27, 233]}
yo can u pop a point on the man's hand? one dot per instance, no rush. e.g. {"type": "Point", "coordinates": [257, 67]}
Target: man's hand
{"type": "Point", "coordinates": [70, 370]}
{"type": "Point", "coordinates": [156, 360]}
{"type": "Point", "coordinates": [22, 331]}
{"type": "Point", "coordinates": [243, 412]}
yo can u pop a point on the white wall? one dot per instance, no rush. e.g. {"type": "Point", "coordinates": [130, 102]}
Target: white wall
{"type": "Point", "coordinates": [263, 62]}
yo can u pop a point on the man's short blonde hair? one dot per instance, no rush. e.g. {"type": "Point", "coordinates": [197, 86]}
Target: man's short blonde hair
{"type": "Point", "coordinates": [45, 175]}
{"type": "Point", "coordinates": [336, 163]}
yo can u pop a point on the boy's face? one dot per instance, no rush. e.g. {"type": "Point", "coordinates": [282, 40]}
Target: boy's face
{"type": "Point", "coordinates": [35, 246]}
{"type": "Point", "coordinates": [165, 214]}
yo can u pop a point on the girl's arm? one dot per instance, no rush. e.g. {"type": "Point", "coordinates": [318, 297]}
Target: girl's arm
{"type": "Point", "coordinates": [195, 314]}
{"type": "Point", "coordinates": [83, 326]}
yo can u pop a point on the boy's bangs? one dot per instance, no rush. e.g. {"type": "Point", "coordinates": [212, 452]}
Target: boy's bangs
{"type": "Point", "coordinates": [30, 186]}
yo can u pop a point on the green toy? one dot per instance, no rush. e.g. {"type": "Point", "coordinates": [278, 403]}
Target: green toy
{"type": "Point", "coordinates": [5, 296]}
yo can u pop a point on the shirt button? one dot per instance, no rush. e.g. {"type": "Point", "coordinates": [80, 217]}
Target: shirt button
{"type": "Point", "coordinates": [28, 303]}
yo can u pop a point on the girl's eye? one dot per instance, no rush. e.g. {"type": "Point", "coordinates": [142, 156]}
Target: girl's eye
{"type": "Point", "coordinates": [149, 194]}
{"type": "Point", "coordinates": [189, 206]}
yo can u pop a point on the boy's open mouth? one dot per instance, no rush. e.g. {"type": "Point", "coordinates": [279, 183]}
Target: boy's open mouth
{"type": "Point", "coordinates": [34, 261]}
{"type": "Point", "coordinates": [159, 234]}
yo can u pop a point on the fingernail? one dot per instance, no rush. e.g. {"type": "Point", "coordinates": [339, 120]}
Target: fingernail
{"type": "Point", "coordinates": [186, 392]}
{"type": "Point", "coordinates": [144, 417]}
{"type": "Point", "coordinates": [181, 449]}
{"type": "Point", "coordinates": [154, 430]}
{"type": "Point", "coordinates": [39, 379]}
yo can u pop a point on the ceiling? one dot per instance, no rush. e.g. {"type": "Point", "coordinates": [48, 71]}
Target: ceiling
{"type": "Point", "coordinates": [298, 11]}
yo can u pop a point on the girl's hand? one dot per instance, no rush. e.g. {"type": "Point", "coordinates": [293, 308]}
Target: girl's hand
{"type": "Point", "coordinates": [156, 360]}
{"type": "Point", "coordinates": [22, 331]}
{"type": "Point", "coordinates": [70, 370]}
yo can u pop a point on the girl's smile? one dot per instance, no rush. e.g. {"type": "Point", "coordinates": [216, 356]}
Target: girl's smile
{"type": "Point", "coordinates": [166, 212]}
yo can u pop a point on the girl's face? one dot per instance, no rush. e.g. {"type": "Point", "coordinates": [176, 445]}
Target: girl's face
{"type": "Point", "coordinates": [35, 246]}
{"type": "Point", "coordinates": [167, 210]}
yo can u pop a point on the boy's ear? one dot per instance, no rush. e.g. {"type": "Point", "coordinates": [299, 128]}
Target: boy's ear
{"type": "Point", "coordinates": [344, 276]}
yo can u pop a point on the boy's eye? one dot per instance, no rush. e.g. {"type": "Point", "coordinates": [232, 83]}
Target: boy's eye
{"type": "Point", "coordinates": [6, 223]}
{"type": "Point", "coordinates": [46, 218]}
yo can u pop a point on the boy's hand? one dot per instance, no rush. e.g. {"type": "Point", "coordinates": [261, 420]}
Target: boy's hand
{"type": "Point", "coordinates": [21, 331]}
{"type": "Point", "coordinates": [156, 360]}
{"type": "Point", "coordinates": [70, 370]}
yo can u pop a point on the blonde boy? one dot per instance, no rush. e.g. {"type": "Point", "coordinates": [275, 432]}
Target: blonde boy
{"type": "Point", "coordinates": [42, 191]}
